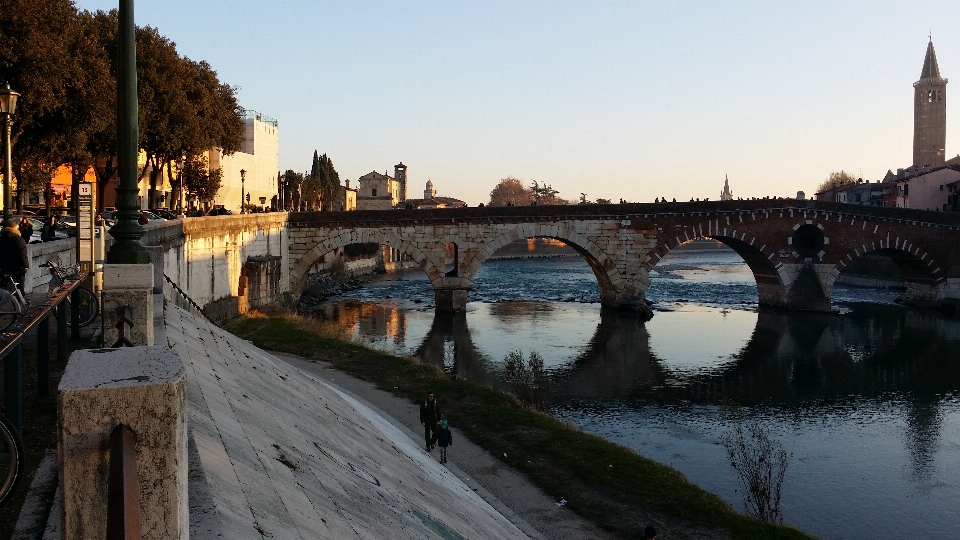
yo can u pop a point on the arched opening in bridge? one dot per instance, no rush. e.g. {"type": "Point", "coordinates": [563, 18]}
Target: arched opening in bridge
{"type": "Point", "coordinates": [888, 272]}
{"type": "Point", "coordinates": [451, 263]}
{"type": "Point", "coordinates": [540, 269]}
{"type": "Point", "coordinates": [714, 271]}
{"type": "Point", "coordinates": [328, 272]}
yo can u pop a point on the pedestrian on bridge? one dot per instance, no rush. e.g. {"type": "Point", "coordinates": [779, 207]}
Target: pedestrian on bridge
{"type": "Point", "coordinates": [429, 418]}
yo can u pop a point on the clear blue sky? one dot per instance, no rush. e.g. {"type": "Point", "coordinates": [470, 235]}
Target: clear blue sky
{"type": "Point", "coordinates": [615, 99]}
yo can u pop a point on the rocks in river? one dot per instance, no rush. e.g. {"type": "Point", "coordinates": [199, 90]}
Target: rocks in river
{"type": "Point", "coordinates": [320, 287]}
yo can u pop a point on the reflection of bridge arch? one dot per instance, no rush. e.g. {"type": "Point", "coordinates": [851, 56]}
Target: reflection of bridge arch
{"type": "Point", "coordinates": [313, 256]}
{"type": "Point", "coordinates": [604, 268]}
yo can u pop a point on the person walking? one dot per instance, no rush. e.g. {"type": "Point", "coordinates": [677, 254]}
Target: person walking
{"type": "Point", "coordinates": [429, 417]}
{"type": "Point", "coordinates": [26, 229]}
{"type": "Point", "coordinates": [444, 438]}
{"type": "Point", "coordinates": [14, 260]}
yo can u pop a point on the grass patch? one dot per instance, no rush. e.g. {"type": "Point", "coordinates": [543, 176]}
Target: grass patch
{"type": "Point", "coordinates": [610, 485]}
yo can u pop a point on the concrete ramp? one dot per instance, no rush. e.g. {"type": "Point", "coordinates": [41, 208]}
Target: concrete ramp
{"type": "Point", "coordinates": [283, 455]}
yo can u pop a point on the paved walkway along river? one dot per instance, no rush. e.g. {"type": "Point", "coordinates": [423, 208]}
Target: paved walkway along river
{"type": "Point", "coordinates": [279, 453]}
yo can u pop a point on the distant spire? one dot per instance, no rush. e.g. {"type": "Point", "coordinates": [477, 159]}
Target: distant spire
{"type": "Point", "coordinates": [930, 68]}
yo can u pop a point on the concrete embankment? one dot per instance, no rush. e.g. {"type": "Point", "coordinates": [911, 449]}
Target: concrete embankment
{"type": "Point", "coordinates": [280, 454]}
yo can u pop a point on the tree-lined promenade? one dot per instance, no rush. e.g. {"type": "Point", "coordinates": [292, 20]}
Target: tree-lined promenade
{"type": "Point", "coordinates": [64, 64]}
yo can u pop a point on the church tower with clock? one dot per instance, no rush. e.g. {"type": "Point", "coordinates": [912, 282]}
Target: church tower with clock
{"type": "Point", "coordinates": [929, 113]}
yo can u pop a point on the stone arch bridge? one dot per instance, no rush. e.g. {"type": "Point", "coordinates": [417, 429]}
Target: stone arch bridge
{"type": "Point", "coordinates": [796, 249]}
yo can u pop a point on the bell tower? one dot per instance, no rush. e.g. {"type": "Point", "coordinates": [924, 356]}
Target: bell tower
{"type": "Point", "coordinates": [929, 113]}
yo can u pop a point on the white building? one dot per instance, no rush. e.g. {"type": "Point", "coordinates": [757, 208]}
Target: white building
{"type": "Point", "coordinates": [258, 156]}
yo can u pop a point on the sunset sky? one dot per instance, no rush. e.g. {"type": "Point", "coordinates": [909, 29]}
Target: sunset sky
{"type": "Point", "coordinates": [613, 99]}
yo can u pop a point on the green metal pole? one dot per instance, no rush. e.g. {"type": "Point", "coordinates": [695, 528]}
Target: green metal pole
{"type": "Point", "coordinates": [7, 171]}
{"type": "Point", "coordinates": [127, 233]}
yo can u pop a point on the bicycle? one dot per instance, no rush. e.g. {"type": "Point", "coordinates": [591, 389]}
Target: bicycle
{"type": "Point", "coordinates": [87, 300]}
{"type": "Point", "coordinates": [11, 458]}
{"type": "Point", "coordinates": [12, 302]}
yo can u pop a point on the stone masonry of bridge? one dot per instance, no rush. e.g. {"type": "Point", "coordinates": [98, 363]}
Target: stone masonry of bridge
{"type": "Point", "coordinates": [796, 249]}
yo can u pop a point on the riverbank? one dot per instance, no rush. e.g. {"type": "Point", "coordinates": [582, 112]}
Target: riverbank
{"type": "Point", "coordinates": [532, 510]}
{"type": "Point", "coordinates": [613, 487]}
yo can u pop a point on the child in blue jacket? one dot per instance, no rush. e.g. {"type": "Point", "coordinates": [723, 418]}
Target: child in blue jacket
{"type": "Point", "coordinates": [443, 439]}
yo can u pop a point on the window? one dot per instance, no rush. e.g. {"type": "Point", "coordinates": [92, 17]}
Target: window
{"type": "Point", "coordinates": [374, 192]}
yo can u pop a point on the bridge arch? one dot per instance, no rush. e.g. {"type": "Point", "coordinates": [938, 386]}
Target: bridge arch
{"type": "Point", "coordinates": [612, 284]}
{"type": "Point", "coordinates": [921, 271]}
{"type": "Point", "coordinates": [301, 268]}
{"type": "Point", "coordinates": [772, 283]}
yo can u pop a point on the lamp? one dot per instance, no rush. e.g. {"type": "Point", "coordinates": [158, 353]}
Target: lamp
{"type": "Point", "coordinates": [8, 106]}
{"type": "Point", "coordinates": [243, 182]}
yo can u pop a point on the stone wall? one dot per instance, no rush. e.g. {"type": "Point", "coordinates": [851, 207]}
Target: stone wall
{"type": "Point", "coordinates": [205, 257]}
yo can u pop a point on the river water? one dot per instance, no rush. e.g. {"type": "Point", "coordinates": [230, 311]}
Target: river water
{"type": "Point", "coordinates": [866, 401]}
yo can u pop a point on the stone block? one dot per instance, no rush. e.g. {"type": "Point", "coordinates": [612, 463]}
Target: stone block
{"type": "Point", "coordinates": [143, 388]}
{"type": "Point", "coordinates": [128, 285]}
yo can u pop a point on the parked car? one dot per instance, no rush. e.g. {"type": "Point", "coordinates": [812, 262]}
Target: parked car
{"type": "Point", "coordinates": [151, 216]}
{"type": "Point", "coordinates": [165, 213]}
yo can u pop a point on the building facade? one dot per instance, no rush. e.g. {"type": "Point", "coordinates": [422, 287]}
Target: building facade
{"type": "Point", "coordinates": [258, 157]}
{"type": "Point", "coordinates": [381, 191]}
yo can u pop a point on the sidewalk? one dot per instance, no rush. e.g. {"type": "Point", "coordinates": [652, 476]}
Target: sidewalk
{"type": "Point", "coordinates": [506, 490]}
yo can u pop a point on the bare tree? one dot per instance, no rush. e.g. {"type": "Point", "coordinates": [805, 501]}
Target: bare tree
{"type": "Point", "coordinates": [528, 379]}
{"type": "Point", "coordinates": [761, 464]}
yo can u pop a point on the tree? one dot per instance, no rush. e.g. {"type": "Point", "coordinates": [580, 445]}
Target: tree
{"type": "Point", "coordinates": [51, 55]}
{"type": "Point", "coordinates": [184, 109]}
{"type": "Point", "coordinates": [293, 182]}
{"type": "Point", "coordinates": [511, 192]}
{"type": "Point", "coordinates": [835, 180]}
{"type": "Point", "coordinates": [545, 194]}
{"type": "Point", "coordinates": [200, 180]}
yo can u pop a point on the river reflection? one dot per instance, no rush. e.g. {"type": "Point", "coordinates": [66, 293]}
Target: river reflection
{"type": "Point", "coordinates": [867, 402]}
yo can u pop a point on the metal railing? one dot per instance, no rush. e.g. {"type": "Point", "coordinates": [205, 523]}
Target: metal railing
{"type": "Point", "coordinates": [123, 491]}
{"type": "Point", "coordinates": [185, 296]}
{"type": "Point", "coordinates": [38, 315]}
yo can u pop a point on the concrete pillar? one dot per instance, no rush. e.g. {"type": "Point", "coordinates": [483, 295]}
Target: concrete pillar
{"type": "Point", "coordinates": [143, 388]}
{"type": "Point", "coordinates": [128, 285]}
{"type": "Point", "coordinates": [451, 299]}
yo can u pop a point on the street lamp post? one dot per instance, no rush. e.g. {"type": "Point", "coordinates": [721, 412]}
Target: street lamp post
{"type": "Point", "coordinates": [180, 185]}
{"type": "Point", "coordinates": [243, 183]}
{"type": "Point", "coordinates": [8, 106]}
{"type": "Point", "coordinates": [127, 247]}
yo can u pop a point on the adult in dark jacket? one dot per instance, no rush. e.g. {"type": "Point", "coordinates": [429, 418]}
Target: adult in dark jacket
{"type": "Point", "coordinates": [26, 229]}
{"type": "Point", "coordinates": [49, 231]}
{"type": "Point", "coordinates": [14, 260]}
{"type": "Point", "coordinates": [429, 417]}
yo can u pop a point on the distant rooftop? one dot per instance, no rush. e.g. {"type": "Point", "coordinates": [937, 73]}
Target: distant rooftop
{"type": "Point", "coordinates": [250, 113]}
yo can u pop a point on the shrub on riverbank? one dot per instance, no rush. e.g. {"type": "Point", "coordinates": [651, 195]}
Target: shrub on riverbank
{"type": "Point", "coordinates": [611, 485]}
